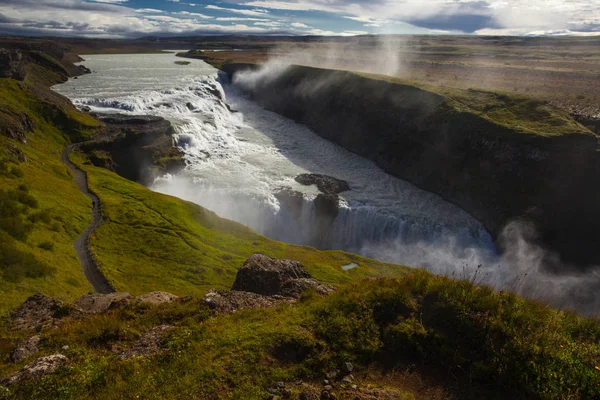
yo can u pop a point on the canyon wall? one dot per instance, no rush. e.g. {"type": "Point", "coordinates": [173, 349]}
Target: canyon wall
{"type": "Point", "coordinates": [499, 170]}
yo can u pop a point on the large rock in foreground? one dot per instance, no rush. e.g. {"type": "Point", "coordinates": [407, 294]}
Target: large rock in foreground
{"type": "Point", "coordinates": [267, 276]}
{"type": "Point", "coordinates": [265, 282]}
{"type": "Point", "coordinates": [37, 312]}
{"type": "Point", "coordinates": [37, 369]}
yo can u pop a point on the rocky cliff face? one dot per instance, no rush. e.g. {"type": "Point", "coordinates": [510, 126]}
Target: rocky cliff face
{"type": "Point", "coordinates": [139, 148]}
{"type": "Point", "coordinates": [496, 173]}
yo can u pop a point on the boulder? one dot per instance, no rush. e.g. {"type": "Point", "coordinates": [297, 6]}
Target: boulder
{"type": "Point", "coordinates": [37, 312]}
{"type": "Point", "coordinates": [149, 344]}
{"type": "Point", "coordinates": [37, 369]}
{"type": "Point", "coordinates": [95, 303]}
{"type": "Point", "coordinates": [25, 349]}
{"type": "Point", "coordinates": [267, 276]}
{"type": "Point", "coordinates": [157, 298]}
{"type": "Point", "coordinates": [230, 301]}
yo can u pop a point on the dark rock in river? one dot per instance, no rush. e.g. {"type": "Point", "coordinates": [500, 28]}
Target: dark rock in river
{"type": "Point", "coordinates": [326, 184]}
{"type": "Point", "coordinates": [292, 199]}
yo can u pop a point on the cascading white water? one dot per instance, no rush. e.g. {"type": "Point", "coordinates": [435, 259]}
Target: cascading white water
{"type": "Point", "coordinates": [239, 156]}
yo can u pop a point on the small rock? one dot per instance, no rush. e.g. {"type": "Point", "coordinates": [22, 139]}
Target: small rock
{"type": "Point", "coordinates": [40, 367]}
{"type": "Point", "coordinates": [157, 298]}
{"type": "Point", "coordinates": [332, 396]}
{"type": "Point", "coordinates": [25, 349]}
{"type": "Point", "coordinates": [286, 393]}
{"type": "Point", "coordinates": [65, 347]}
{"type": "Point", "coordinates": [280, 385]}
{"type": "Point", "coordinates": [348, 367]}
{"type": "Point", "coordinates": [354, 387]}
{"type": "Point", "coordinates": [326, 382]}
{"type": "Point", "coordinates": [348, 379]}
{"type": "Point", "coordinates": [332, 374]}
{"type": "Point", "coordinates": [325, 395]}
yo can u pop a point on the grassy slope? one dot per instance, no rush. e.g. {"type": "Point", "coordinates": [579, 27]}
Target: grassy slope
{"type": "Point", "coordinates": [52, 185]}
{"type": "Point", "coordinates": [150, 241]}
{"type": "Point", "coordinates": [449, 335]}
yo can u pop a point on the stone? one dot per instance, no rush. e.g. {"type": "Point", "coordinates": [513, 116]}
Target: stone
{"type": "Point", "coordinates": [37, 312]}
{"type": "Point", "coordinates": [348, 367]}
{"type": "Point", "coordinates": [96, 303]}
{"type": "Point", "coordinates": [37, 369]}
{"type": "Point", "coordinates": [325, 395]}
{"type": "Point", "coordinates": [325, 183]}
{"type": "Point", "coordinates": [230, 301]}
{"type": "Point", "coordinates": [286, 393]}
{"type": "Point", "coordinates": [267, 276]}
{"type": "Point", "coordinates": [156, 298]}
{"type": "Point", "coordinates": [148, 344]}
{"type": "Point", "coordinates": [25, 349]}
{"type": "Point", "coordinates": [329, 388]}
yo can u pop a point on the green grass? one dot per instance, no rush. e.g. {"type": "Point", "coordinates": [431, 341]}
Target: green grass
{"type": "Point", "coordinates": [470, 339]}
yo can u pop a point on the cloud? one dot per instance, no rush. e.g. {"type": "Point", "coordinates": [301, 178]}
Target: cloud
{"type": "Point", "coordinates": [148, 10]}
{"type": "Point", "coordinates": [254, 12]}
{"type": "Point", "coordinates": [299, 25]}
{"type": "Point", "coordinates": [232, 19]}
{"type": "Point", "coordinates": [193, 14]}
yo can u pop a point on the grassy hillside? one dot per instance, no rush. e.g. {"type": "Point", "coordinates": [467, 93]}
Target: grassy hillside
{"type": "Point", "coordinates": [419, 337]}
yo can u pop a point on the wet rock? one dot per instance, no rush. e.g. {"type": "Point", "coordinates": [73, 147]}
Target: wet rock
{"type": "Point", "coordinates": [326, 184]}
{"type": "Point", "coordinates": [230, 301]}
{"type": "Point", "coordinates": [267, 276]}
{"type": "Point", "coordinates": [37, 312]}
{"type": "Point", "coordinates": [327, 205]}
{"type": "Point", "coordinates": [37, 369]}
{"type": "Point", "coordinates": [157, 298]}
{"type": "Point", "coordinates": [293, 200]}
{"type": "Point", "coordinates": [148, 344]}
{"type": "Point", "coordinates": [95, 303]}
{"type": "Point", "coordinates": [84, 69]}
{"type": "Point", "coordinates": [25, 349]}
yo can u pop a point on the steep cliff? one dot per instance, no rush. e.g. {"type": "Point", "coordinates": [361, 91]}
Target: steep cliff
{"type": "Point", "coordinates": [498, 157]}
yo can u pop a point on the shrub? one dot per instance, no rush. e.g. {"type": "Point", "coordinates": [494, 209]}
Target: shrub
{"type": "Point", "coordinates": [17, 172]}
{"type": "Point", "coordinates": [15, 264]}
{"type": "Point", "coordinates": [46, 246]}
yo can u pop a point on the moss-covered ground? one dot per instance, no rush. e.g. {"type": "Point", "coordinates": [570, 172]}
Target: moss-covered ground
{"type": "Point", "coordinates": [461, 340]}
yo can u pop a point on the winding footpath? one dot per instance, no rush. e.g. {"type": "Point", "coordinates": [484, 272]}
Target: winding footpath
{"type": "Point", "coordinates": [89, 264]}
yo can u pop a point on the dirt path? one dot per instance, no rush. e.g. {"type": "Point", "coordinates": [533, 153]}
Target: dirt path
{"type": "Point", "coordinates": [82, 244]}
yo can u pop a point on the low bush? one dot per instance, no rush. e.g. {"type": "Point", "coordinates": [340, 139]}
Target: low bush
{"type": "Point", "coordinates": [16, 265]}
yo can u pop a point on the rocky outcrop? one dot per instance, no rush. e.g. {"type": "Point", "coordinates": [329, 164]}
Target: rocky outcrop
{"type": "Point", "coordinates": [37, 369]}
{"type": "Point", "coordinates": [37, 312]}
{"type": "Point", "coordinates": [25, 349]}
{"type": "Point", "coordinates": [96, 303]}
{"type": "Point", "coordinates": [139, 148]}
{"type": "Point", "coordinates": [149, 344]}
{"type": "Point", "coordinates": [11, 64]}
{"type": "Point", "coordinates": [16, 124]}
{"type": "Point", "coordinates": [265, 282]}
{"type": "Point", "coordinates": [326, 184]}
{"type": "Point", "coordinates": [496, 171]}
{"type": "Point", "coordinates": [267, 276]}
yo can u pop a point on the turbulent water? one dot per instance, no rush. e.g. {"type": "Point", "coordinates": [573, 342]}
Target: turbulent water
{"type": "Point", "coordinates": [240, 155]}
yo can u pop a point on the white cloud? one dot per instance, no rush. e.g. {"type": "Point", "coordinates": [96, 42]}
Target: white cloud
{"type": "Point", "coordinates": [270, 24]}
{"type": "Point", "coordinates": [110, 1]}
{"type": "Point", "coordinates": [254, 12]}
{"type": "Point", "coordinates": [193, 14]}
{"type": "Point", "coordinates": [232, 19]}
{"type": "Point", "coordinates": [148, 10]}
{"type": "Point", "coordinates": [299, 25]}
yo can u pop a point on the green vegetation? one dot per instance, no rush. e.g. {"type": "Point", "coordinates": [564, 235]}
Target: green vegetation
{"type": "Point", "coordinates": [470, 339]}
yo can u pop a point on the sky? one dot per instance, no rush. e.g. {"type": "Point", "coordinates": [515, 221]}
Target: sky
{"type": "Point", "coordinates": [135, 18]}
